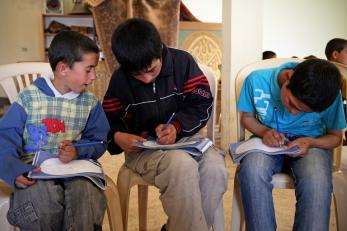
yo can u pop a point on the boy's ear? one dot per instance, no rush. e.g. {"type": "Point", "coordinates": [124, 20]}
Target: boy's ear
{"type": "Point", "coordinates": [334, 55]}
{"type": "Point", "coordinates": [62, 68]}
{"type": "Point", "coordinates": [289, 74]}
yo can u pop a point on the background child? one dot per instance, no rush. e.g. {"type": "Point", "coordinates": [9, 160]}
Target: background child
{"type": "Point", "coordinates": [269, 55]}
{"type": "Point", "coordinates": [152, 83]}
{"type": "Point", "coordinates": [336, 50]}
{"type": "Point", "coordinates": [310, 115]}
{"type": "Point", "coordinates": [49, 115]}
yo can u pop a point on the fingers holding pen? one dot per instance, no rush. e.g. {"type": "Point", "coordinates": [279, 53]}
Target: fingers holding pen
{"type": "Point", "coordinates": [67, 152]}
{"type": "Point", "coordinates": [166, 134]}
{"type": "Point", "coordinates": [273, 138]}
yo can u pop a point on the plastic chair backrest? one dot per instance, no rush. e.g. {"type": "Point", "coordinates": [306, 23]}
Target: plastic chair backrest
{"type": "Point", "coordinates": [212, 80]}
{"type": "Point", "coordinates": [16, 76]}
{"type": "Point", "coordinates": [13, 78]}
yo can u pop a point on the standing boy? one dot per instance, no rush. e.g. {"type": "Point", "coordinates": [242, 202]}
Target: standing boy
{"type": "Point", "coordinates": [49, 115]}
{"type": "Point", "coordinates": [310, 115]}
{"type": "Point", "coordinates": [152, 83]}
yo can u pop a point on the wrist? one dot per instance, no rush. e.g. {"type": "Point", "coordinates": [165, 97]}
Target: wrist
{"type": "Point", "coordinates": [116, 136]}
{"type": "Point", "coordinates": [177, 126]}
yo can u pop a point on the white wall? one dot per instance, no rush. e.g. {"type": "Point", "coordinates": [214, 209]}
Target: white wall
{"type": "Point", "coordinates": [205, 10]}
{"type": "Point", "coordinates": [242, 44]}
{"type": "Point", "coordinates": [303, 27]}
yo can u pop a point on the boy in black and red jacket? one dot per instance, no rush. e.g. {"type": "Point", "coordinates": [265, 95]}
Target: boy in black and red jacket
{"type": "Point", "coordinates": [152, 83]}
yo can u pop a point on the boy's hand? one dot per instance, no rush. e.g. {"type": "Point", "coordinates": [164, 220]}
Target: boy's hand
{"type": "Point", "coordinates": [303, 143]}
{"type": "Point", "coordinates": [67, 152]}
{"type": "Point", "coordinates": [166, 135]}
{"type": "Point", "coordinates": [24, 182]}
{"type": "Point", "coordinates": [274, 139]}
{"type": "Point", "coordinates": [126, 141]}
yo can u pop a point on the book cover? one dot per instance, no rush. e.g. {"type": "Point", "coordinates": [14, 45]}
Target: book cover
{"type": "Point", "coordinates": [53, 168]}
{"type": "Point", "coordinates": [195, 148]}
{"type": "Point", "coordinates": [255, 144]}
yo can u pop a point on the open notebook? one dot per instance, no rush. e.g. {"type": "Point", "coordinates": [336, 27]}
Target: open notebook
{"type": "Point", "coordinates": [195, 148]}
{"type": "Point", "coordinates": [53, 168]}
{"type": "Point", "coordinates": [255, 144]}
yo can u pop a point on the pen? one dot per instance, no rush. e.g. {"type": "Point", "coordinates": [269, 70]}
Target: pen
{"type": "Point", "coordinates": [166, 124]}
{"type": "Point", "coordinates": [277, 124]}
{"type": "Point", "coordinates": [276, 120]}
{"type": "Point", "coordinates": [168, 121]}
{"type": "Point", "coordinates": [87, 143]}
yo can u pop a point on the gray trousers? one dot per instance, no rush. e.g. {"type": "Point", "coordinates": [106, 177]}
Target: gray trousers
{"type": "Point", "coordinates": [190, 190]}
{"type": "Point", "coordinates": [63, 204]}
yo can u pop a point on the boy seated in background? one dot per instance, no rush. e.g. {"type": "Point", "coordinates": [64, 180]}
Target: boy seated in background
{"type": "Point", "coordinates": [310, 115]}
{"type": "Point", "coordinates": [60, 110]}
{"type": "Point", "coordinates": [336, 50]}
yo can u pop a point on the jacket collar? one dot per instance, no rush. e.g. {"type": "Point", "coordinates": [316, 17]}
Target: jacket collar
{"type": "Point", "coordinates": [167, 63]}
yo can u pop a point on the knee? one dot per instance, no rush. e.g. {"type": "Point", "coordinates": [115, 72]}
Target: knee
{"type": "Point", "coordinates": [254, 168]}
{"type": "Point", "coordinates": [314, 183]}
{"type": "Point", "coordinates": [181, 164]}
{"type": "Point", "coordinates": [315, 173]}
{"type": "Point", "coordinates": [213, 169]}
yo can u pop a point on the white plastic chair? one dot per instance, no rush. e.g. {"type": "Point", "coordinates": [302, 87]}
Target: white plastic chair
{"type": "Point", "coordinates": [340, 177]}
{"type": "Point", "coordinates": [127, 178]}
{"type": "Point", "coordinates": [279, 180]}
{"type": "Point", "coordinates": [14, 78]}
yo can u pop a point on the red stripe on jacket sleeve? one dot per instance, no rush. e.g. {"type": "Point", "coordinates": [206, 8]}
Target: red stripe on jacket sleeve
{"type": "Point", "coordinates": [112, 104]}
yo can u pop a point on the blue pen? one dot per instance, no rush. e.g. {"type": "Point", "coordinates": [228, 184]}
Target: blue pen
{"type": "Point", "coordinates": [167, 124]}
{"type": "Point", "coordinates": [87, 143]}
{"type": "Point", "coordinates": [276, 119]}
{"type": "Point", "coordinates": [278, 126]}
{"type": "Point", "coordinates": [168, 121]}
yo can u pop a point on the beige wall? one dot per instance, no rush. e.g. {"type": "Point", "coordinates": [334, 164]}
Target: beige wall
{"type": "Point", "coordinates": [21, 30]}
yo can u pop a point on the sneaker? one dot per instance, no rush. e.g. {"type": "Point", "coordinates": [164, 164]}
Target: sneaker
{"type": "Point", "coordinates": [163, 228]}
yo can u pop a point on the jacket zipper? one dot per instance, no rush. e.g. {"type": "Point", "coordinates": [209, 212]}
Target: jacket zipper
{"type": "Point", "coordinates": [159, 113]}
{"type": "Point", "coordinates": [154, 90]}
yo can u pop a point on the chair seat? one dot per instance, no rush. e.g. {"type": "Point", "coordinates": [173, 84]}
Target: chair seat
{"type": "Point", "coordinates": [282, 180]}
{"type": "Point", "coordinates": [125, 181]}
{"type": "Point", "coordinates": [340, 199]}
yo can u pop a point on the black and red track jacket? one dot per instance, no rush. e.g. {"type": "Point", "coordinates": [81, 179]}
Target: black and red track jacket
{"type": "Point", "coordinates": [134, 107]}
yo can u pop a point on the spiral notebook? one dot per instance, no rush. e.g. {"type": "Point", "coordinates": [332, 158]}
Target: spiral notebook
{"type": "Point", "coordinates": [195, 148]}
{"type": "Point", "coordinates": [53, 168]}
{"type": "Point", "coordinates": [255, 144]}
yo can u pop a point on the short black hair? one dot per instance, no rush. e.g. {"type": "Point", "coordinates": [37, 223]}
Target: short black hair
{"type": "Point", "coordinates": [269, 55]}
{"type": "Point", "coordinates": [336, 44]}
{"type": "Point", "coordinates": [135, 44]}
{"type": "Point", "coordinates": [316, 83]}
{"type": "Point", "coordinates": [310, 57]}
{"type": "Point", "coordinates": [69, 47]}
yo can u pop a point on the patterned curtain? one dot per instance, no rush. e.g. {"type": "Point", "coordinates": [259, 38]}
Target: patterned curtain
{"type": "Point", "coordinates": [107, 14]}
